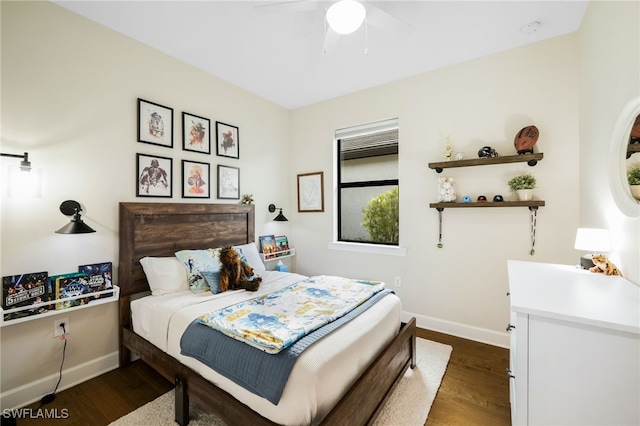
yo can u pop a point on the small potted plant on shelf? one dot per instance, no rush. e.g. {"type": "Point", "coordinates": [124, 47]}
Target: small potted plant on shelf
{"type": "Point", "coordinates": [523, 186]}
{"type": "Point", "coordinates": [633, 177]}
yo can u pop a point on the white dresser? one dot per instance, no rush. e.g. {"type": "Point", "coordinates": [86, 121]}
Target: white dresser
{"type": "Point", "coordinates": [575, 346]}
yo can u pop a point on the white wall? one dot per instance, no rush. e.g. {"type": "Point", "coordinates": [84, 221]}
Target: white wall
{"type": "Point", "coordinates": [460, 288]}
{"type": "Point", "coordinates": [69, 90]}
{"type": "Point", "coordinates": [610, 77]}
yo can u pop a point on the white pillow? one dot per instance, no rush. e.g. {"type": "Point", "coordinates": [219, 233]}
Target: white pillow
{"type": "Point", "coordinates": [165, 275]}
{"type": "Point", "coordinates": [253, 259]}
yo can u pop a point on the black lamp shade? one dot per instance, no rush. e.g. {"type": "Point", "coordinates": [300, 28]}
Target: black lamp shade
{"type": "Point", "coordinates": [280, 217]}
{"type": "Point", "coordinates": [76, 226]}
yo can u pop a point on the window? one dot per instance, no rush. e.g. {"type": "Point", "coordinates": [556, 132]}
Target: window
{"type": "Point", "coordinates": [368, 189]}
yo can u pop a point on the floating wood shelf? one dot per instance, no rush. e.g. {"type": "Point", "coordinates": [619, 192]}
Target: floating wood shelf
{"type": "Point", "coordinates": [530, 159]}
{"type": "Point", "coordinates": [530, 204]}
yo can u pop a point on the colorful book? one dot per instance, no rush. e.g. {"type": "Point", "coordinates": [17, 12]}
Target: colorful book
{"type": "Point", "coordinates": [24, 290]}
{"type": "Point", "coordinates": [70, 285]}
{"type": "Point", "coordinates": [268, 246]}
{"type": "Point", "coordinates": [99, 277]}
{"type": "Point", "coordinates": [282, 245]}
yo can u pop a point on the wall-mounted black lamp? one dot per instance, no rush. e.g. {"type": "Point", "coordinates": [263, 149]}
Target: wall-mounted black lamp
{"type": "Point", "coordinates": [76, 226]}
{"type": "Point", "coordinates": [25, 164]}
{"type": "Point", "coordinates": [280, 217]}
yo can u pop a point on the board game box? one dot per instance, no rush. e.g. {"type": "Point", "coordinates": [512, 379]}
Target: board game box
{"type": "Point", "coordinates": [25, 290]}
{"type": "Point", "coordinates": [99, 277]}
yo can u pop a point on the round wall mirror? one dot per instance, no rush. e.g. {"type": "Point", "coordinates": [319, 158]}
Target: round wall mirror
{"type": "Point", "coordinates": [622, 157]}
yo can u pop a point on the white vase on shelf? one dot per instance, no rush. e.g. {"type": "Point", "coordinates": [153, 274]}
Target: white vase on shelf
{"type": "Point", "coordinates": [524, 194]}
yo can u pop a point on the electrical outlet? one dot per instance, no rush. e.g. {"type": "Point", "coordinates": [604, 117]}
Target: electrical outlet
{"type": "Point", "coordinates": [57, 330]}
{"type": "Point", "coordinates": [397, 282]}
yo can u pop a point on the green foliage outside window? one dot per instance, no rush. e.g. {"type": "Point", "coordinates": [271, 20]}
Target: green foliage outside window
{"type": "Point", "coordinates": [381, 217]}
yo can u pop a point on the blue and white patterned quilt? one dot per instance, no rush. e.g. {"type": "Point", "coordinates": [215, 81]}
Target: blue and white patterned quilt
{"type": "Point", "coordinates": [275, 321]}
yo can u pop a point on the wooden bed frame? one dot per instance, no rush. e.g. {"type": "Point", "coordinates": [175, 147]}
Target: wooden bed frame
{"type": "Point", "coordinates": [161, 229]}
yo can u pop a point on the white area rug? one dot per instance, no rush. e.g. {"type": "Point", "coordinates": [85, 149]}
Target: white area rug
{"type": "Point", "coordinates": [409, 404]}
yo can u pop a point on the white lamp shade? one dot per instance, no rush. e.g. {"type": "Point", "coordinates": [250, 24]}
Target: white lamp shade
{"type": "Point", "coordinates": [346, 16]}
{"type": "Point", "coordinates": [592, 240]}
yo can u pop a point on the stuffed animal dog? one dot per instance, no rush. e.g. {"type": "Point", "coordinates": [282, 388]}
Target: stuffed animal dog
{"type": "Point", "coordinates": [235, 274]}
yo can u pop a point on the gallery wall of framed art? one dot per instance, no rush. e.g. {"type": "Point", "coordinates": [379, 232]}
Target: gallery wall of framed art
{"type": "Point", "coordinates": [155, 173]}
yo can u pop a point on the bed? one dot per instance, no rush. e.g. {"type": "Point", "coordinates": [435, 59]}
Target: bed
{"type": "Point", "coordinates": [160, 230]}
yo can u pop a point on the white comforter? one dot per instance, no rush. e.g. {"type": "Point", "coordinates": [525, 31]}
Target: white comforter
{"type": "Point", "coordinates": [321, 375]}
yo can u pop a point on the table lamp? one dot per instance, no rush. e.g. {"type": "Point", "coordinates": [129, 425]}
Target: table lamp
{"type": "Point", "coordinates": [591, 240]}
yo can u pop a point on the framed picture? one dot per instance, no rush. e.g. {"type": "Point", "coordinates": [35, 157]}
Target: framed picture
{"type": "Point", "coordinates": [311, 192]}
{"type": "Point", "coordinates": [227, 140]}
{"type": "Point", "coordinates": [155, 124]}
{"type": "Point", "coordinates": [154, 176]}
{"type": "Point", "coordinates": [228, 182]}
{"type": "Point", "coordinates": [196, 133]}
{"type": "Point", "coordinates": [196, 179]}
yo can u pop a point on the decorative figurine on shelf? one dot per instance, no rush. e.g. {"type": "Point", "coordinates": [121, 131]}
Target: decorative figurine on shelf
{"type": "Point", "coordinates": [466, 199]}
{"type": "Point", "coordinates": [446, 191]}
{"type": "Point", "coordinates": [603, 265]}
{"type": "Point", "coordinates": [482, 199]}
{"type": "Point", "coordinates": [498, 198]}
{"type": "Point", "coordinates": [487, 152]}
{"type": "Point", "coordinates": [447, 148]}
{"type": "Point", "coordinates": [247, 199]}
{"type": "Point", "coordinates": [525, 140]}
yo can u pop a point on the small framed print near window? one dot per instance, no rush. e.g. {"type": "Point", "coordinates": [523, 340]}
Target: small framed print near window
{"type": "Point", "coordinates": [196, 179]}
{"type": "Point", "coordinates": [196, 133]}
{"type": "Point", "coordinates": [311, 192]}
{"type": "Point", "coordinates": [154, 176]}
{"type": "Point", "coordinates": [155, 124]}
{"type": "Point", "coordinates": [228, 182]}
{"type": "Point", "coordinates": [227, 140]}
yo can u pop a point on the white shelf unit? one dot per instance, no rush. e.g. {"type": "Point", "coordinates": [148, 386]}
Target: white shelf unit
{"type": "Point", "coordinates": [114, 298]}
{"type": "Point", "coordinates": [278, 255]}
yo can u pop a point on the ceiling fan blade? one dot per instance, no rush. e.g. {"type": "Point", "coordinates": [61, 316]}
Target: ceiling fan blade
{"type": "Point", "coordinates": [330, 40]}
{"type": "Point", "coordinates": [284, 7]}
{"type": "Point", "coordinates": [385, 20]}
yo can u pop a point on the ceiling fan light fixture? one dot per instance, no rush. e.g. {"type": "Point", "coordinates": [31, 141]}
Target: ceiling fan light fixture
{"type": "Point", "coordinates": [346, 16]}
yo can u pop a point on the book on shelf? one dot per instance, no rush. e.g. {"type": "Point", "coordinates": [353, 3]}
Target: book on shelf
{"type": "Point", "coordinates": [70, 285]}
{"type": "Point", "coordinates": [268, 246]}
{"type": "Point", "coordinates": [99, 277]}
{"type": "Point", "coordinates": [282, 245]}
{"type": "Point", "coordinates": [24, 290]}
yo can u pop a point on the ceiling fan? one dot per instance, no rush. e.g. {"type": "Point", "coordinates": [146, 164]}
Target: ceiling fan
{"type": "Point", "coordinates": [341, 18]}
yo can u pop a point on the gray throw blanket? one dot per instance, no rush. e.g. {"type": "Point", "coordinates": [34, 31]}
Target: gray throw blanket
{"type": "Point", "coordinates": [257, 371]}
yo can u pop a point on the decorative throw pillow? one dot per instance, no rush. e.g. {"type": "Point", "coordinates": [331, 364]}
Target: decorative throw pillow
{"type": "Point", "coordinates": [195, 263]}
{"type": "Point", "coordinates": [213, 280]}
{"type": "Point", "coordinates": [249, 255]}
{"type": "Point", "coordinates": [165, 275]}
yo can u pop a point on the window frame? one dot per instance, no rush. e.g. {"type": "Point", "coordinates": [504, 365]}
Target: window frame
{"type": "Point", "coordinates": [351, 132]}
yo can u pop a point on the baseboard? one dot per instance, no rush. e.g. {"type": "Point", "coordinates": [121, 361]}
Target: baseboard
{"type": "Point", "coordinates": [477, 334]}
{"type": "Point", "coordinates": [31, 392]}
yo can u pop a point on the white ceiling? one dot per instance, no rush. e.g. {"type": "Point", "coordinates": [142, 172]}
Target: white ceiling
{"type": "Point", "coordinates": [276, 51]}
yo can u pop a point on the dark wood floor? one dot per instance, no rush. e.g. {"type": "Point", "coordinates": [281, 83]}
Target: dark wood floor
{"type": "Point", "coordinates": [474, 391]}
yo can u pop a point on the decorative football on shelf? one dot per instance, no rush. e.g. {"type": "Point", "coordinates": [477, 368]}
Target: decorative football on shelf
{"type": "Point", "coordinates": [526, 139]}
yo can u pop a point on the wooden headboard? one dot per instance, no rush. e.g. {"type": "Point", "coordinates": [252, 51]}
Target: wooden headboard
{"type": "Point", "coordinates": [161, 229]}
